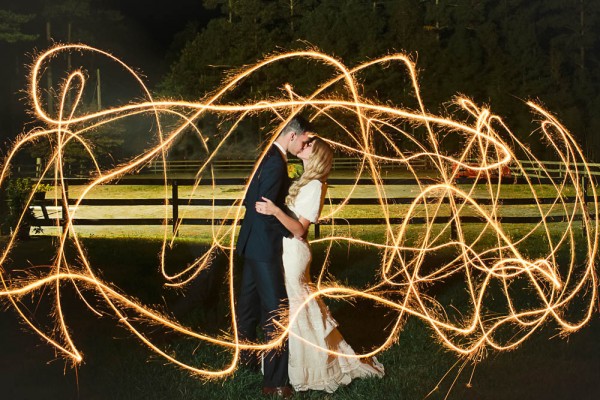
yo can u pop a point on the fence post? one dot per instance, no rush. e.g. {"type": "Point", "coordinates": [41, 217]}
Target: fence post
{"type": "Point", "coordinates": [175, 203]}
{"type": "Point", "coordinates": [65, 208]}
{"type": "Point", "coordinates": [317, 230]}
{"type": "Point", "coordinates": [453, 222]}
{"type": "Point", "coordinates": [453, 231]}
{"type": "Point", "coordinates": [586, 214]}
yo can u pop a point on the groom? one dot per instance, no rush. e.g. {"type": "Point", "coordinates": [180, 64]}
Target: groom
{"type": "Point", "coordinates": [262, 291]}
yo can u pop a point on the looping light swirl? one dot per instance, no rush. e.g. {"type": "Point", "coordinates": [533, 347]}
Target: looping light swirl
{"type": "Point", "coordinates": [492, 259]}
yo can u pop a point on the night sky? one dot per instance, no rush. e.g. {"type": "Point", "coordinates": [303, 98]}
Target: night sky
{"type": "Point", "coordinates": [163, 19]}
{"type": "Point", "coordinates": [155, 26]}
{"type": "Point", "coordinates": [150, 30]}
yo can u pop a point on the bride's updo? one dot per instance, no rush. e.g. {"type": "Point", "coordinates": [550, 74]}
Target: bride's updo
{"type": "Point", "coordinates": [317, 167]}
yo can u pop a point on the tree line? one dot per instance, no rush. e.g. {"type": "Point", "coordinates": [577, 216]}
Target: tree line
{"type": "Point", "coordinates": [497, 52]}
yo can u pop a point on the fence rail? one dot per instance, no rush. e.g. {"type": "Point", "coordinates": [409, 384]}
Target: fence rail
{"type": "Point", "coordinates": [191, 167]}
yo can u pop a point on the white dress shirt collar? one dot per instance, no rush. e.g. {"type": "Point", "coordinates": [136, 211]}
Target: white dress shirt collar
{"type": "Point", "coordinates": [283, 152]}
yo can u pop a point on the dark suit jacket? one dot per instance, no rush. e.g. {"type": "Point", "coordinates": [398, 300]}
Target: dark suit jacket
{"type": "Point", "coordinates": [260, 237]}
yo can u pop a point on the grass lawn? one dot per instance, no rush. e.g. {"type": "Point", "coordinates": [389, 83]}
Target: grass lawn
{"type": "Point", "coordinates": [116, 366]}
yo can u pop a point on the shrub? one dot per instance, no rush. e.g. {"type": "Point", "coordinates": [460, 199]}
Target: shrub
{"type": "Point", "coordinates": [18, 194]}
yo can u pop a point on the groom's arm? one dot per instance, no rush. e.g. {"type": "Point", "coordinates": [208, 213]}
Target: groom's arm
{"type": "Point", "coordinates": [269, 185]}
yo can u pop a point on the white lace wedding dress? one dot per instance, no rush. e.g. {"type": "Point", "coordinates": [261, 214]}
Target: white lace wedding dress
{"type": "Point", "coordinates": [312, 326]}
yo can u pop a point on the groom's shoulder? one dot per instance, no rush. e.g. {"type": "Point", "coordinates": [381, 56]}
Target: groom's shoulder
{"type": "Point", "coordinates": [273, 155]}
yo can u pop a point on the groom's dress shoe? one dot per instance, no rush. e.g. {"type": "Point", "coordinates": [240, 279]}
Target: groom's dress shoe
{"type": "Point", "coordinates": [285, 392]}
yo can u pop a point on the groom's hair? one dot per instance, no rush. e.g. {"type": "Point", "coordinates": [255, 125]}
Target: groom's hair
{"type": "Point", "coordinates": [298, 124]}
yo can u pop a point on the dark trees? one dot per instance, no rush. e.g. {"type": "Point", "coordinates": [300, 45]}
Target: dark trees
{"type": "Point", "coordinates": [497, 52]}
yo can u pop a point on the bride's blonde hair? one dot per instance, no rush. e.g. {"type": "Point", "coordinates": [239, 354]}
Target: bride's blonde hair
{"type": "Point", "coordinates": [317, 167]}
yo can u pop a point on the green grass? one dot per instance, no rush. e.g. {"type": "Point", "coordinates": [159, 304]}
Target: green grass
{"type": "Point", "coordinates": [116, 366]}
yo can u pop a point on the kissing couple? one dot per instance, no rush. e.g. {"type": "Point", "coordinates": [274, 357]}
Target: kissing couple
{"type": "Point", "coordinates": [276, 272]}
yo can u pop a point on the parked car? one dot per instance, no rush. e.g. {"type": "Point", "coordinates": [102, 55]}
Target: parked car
{"type": "Point", "coordinates": [463, 172]}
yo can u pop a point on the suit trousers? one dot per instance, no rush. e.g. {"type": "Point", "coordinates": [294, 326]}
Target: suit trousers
{"type": "Point", "coordinates": [262, 296]}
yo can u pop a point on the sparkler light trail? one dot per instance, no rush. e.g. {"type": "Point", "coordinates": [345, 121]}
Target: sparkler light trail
{"type": "Point", "coordinates": [492, 260]}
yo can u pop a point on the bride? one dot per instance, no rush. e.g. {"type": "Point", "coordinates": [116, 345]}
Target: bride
{"type": "Point", "coordinates": [312, 327]}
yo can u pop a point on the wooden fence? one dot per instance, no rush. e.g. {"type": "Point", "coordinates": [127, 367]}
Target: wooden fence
{"type": "Point", "coordinates": [191, 167]}
{"type": "Point", "coordinates": [175, 202]}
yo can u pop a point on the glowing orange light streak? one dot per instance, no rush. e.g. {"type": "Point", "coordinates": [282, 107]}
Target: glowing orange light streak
{"type": "Point", "coordinates": [488, 139]}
